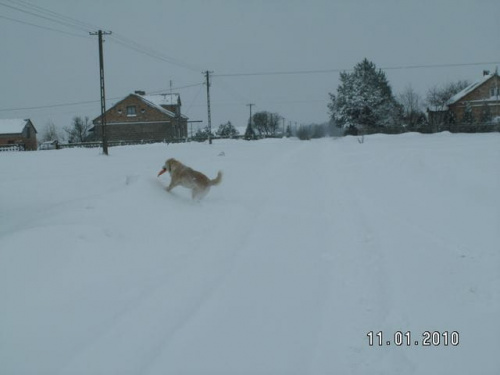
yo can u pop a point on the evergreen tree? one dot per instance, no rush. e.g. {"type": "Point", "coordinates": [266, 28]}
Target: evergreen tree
{"type": "Point", "coordinates": [202, 134]}
{"type": "Point", "coordinates": [364, 100]}
{"type": "Point", "coordinates": [250, 133]}
{"type": "Point", "coordinates": [227, 130]}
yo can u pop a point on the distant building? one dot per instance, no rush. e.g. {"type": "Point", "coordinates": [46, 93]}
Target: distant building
{"type": "Point", "coordinates": [18, 132]}
{"type": "Point", "coordinates": [484, 94]}
{"type": "Point", "coordinates": [141, 117]}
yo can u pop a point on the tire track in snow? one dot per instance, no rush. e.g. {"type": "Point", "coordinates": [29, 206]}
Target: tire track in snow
{"type": "Point", "coordinates": [356, 287]}
{"type": "Point", "coordinates": [198, 280]}
{"type": "Point", "coordinates": [210, 301]}
{"type": "Point", "coordinates": [294, 288]}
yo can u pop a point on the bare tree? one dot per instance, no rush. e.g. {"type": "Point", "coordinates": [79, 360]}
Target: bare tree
{"type": "Point", "coordinates": [51, 133]}
{"type": "Point", "coordinates": [440, 118]}
{"type": "Point", "coordinates": [437, 96]}
{"type": "Point", "coordinates": [413, 114]}
{"type": "Point", "coordinates": [80, 130]}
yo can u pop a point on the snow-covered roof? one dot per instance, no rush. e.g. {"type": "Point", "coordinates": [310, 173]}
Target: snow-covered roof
{"type": "Point", "coordinates": [12, 126]}
{"type": "Point", "coordinates": [158, 101]}
{"type": "Point", "coordinates": [158, 107]}
{"type": "Point", "coordinates": [455, 98]}
{"type": "Point", "coordinates": [162, 99]}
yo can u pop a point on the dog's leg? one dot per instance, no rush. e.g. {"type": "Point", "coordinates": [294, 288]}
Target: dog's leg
{"type": "Point", "coordinates": [172, 185]}
{"type": "Point", "coordinates": [194, 194]}
{"type": "Point", "coordinates": [199, 194]}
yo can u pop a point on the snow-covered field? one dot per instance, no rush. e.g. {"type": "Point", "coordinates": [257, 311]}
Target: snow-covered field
{"type": "Point", "coordinates": [284, 268]}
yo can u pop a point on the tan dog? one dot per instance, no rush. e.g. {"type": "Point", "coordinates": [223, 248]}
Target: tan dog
{"type": "Point", "coordinates": [189, 178]}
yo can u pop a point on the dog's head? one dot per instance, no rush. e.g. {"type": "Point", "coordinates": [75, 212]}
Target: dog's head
{"type": "Point", "coordinates": [168, 166]}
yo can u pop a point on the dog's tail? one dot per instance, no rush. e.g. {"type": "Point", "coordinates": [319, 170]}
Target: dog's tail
{"type": "Point", "coordinates": [217, 180]}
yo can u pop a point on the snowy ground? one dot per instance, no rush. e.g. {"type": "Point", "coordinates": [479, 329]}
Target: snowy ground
{"type": "Point", "coordinates": [284, 268]}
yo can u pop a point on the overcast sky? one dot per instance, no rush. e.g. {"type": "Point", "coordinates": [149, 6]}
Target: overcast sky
{"type": "Point", "coordinates": [50, 68]}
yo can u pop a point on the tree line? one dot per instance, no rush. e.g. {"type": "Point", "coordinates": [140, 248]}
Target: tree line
{"type": "Point", "coordinates": [363, 104]}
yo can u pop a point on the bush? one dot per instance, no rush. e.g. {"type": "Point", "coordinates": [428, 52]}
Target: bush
{"type": "Point", "coordinates": [304, 133]}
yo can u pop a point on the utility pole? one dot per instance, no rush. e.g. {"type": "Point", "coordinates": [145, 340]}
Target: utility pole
{"type": "Point", "coordinates": [250, 105]}
{"type": "Point", "coordinates": [100, 33]}
{"type": "Point", "coordinates": [207, 76]}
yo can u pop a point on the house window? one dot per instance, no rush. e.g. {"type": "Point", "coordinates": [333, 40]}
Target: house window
{"type": "Point", "coordinates": [494, 91]}
{"type": "Point", "coordinates": [131, 111]}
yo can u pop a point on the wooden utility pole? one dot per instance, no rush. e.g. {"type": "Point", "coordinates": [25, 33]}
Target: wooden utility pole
{"type": "Point", "coordinates": [100, 33]}
{"type": "Point", "coordinates": [207, 76]}
{"type": "Point", "coordinates": [250, 105]}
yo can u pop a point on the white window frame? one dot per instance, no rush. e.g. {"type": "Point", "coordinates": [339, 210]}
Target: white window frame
{"type": "Point", "coordinates": [131, 111]}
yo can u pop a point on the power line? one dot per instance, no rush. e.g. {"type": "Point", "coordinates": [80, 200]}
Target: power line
{"type": "Point", "coordinates": [148, 51]}
{"type": "Point", "coordinates": [49, 15]}
{"type": "Point", "coordinates": [49, 12]}
{"type": "Point", "coordinates": [49, 106]}
{"type": "Point", "coordinates": [44, 27]}
{"type": "Point", "coordinates": [48, 18]}
{"type": "Point", "coordinates": [324, 71]}
{"type": "Point", "coordinates": [89, 101]}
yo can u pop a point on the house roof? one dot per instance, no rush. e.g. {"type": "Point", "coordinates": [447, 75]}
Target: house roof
{"type": "Point", "coordinates": [163, 99]}
{"type": "Point", "coordinates": [455, 98]}
{"type": "Point", "coordinates": [153, 101]}
{"type": "Point", "coordinates": [158, 101]}
{"type": "Point", "coordinates": [12, 126]}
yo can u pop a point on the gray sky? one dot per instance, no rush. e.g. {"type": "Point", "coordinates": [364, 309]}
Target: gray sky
{"type": "Point", "coordinates": [40, 67]}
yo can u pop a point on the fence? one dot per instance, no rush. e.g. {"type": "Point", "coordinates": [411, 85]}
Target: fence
{"type": "Point", "coordinates": [119, 143]}
{"type": "Point", "coordinates": [14, 147]}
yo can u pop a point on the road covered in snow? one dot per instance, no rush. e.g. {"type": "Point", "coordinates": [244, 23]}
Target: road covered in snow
{"type": "Point", "coordinates": [285, 268]}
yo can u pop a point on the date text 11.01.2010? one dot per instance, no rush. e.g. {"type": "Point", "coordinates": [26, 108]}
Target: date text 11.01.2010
{"type": "Point", "coordinates": [427, 338]}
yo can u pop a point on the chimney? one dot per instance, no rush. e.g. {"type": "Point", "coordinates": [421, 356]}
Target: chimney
{"type": "Point", "coordinates": [140, 92]}
{"type": "Point", "coordinates": [486, 73]}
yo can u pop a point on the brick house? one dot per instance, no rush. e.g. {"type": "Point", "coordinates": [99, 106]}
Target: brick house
{"type": "Point", "coordinates": [141, 117]}
{"type": "Point", "coordinates": [480, 97]}
{"type": "Point", "coordinates": [18, 132]}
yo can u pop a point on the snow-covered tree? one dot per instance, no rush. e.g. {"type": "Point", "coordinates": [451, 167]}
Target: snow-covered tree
{"type": "Point", "coordinates": [227, 130]}
{"type": "Point", "coordinates": [266, 123]}
{"type": "Point", "coordinates": [201, 135]}
{"type": "Point", "coordinates": [364, 100]}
